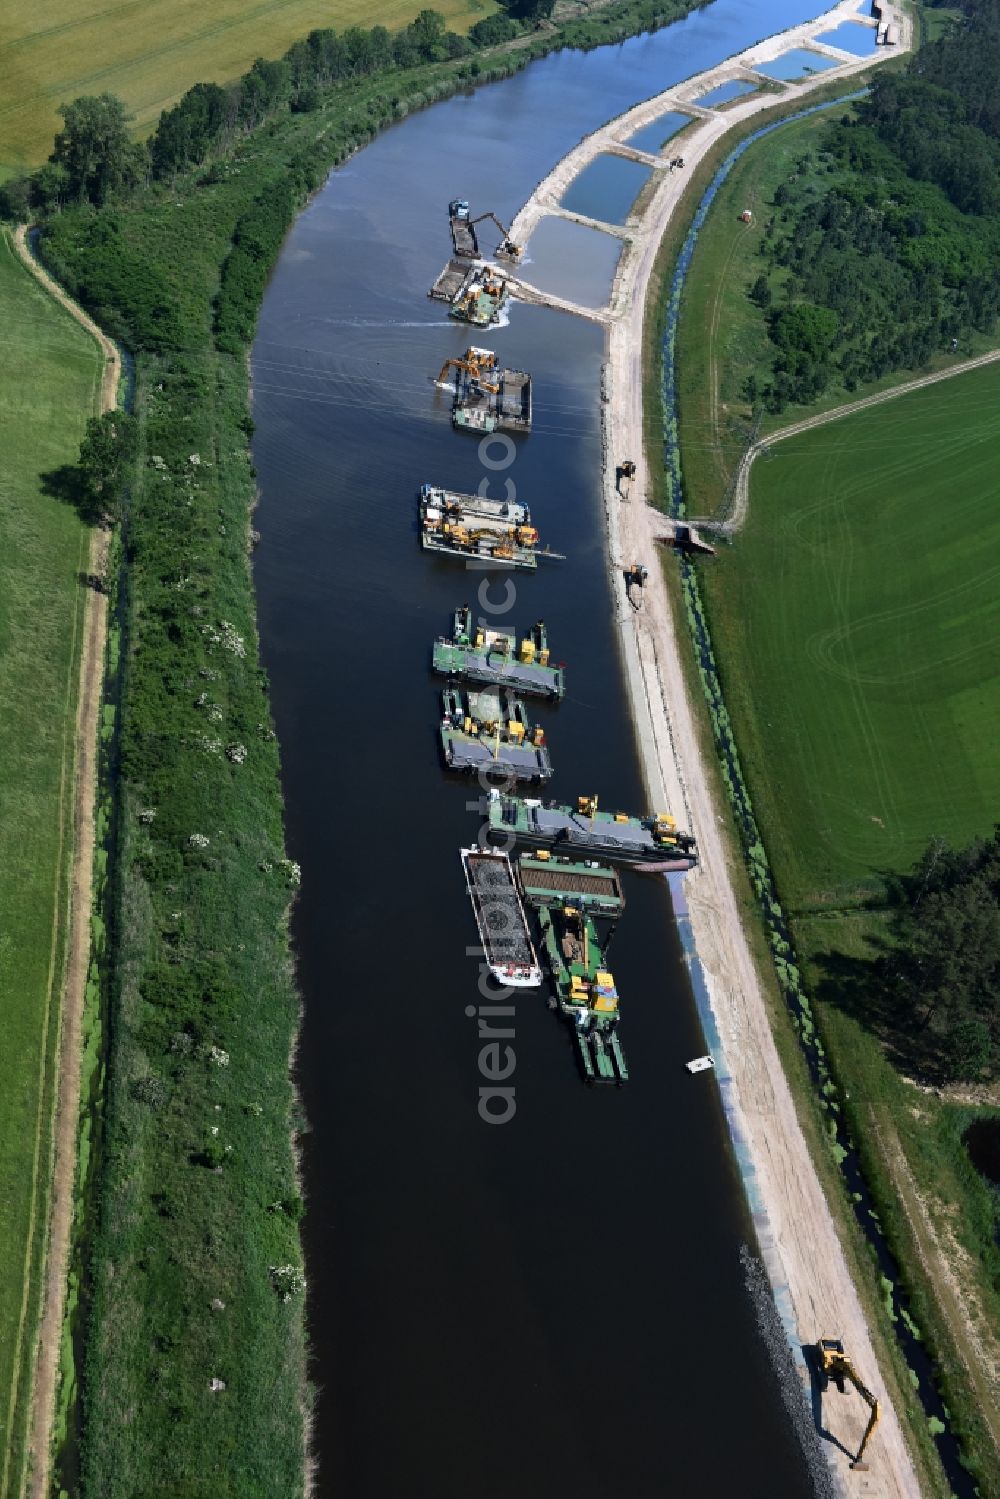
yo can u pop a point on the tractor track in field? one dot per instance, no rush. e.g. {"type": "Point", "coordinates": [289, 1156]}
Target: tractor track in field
{"type": "Point", "coordinates": [741, 506]}
{"type": "Point", "coordinates": [67, 1104]}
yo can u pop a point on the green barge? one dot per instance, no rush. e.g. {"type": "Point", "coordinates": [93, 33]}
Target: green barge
{"type": "Point", "coordinates": [478, 653]}
{"type": "Point", "coordinates": [569, 900]}
{"type": "Point", "coordinates": [488, 733]}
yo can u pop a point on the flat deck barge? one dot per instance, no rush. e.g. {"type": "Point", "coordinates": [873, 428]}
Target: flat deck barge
{"type": "Point", "coordinates": [487, 733]}
{"type": "Point", "coordinates": [486, 397]}
{"type": "Point", "coordinates": [462, 507]}
{"type": "Point", "coordinates": [654, 841]}
{"type": "Point", "coordinates": [476, 294]}
{"type": "Point", "coordinates": [575, 954]}
{"type": "Point", "coordinates": [503, 926]}
{"type": "Point", "coordinates": [478, 653]}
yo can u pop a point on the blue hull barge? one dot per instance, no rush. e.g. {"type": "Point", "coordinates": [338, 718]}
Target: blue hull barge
{"type": "Point", "coordinates": [478, 653]}
{"type": "Point", "coordinates": [653, 843]}
{"type": "Point", "coordinates": [482, 734]}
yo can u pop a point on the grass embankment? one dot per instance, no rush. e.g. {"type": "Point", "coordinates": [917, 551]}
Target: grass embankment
{"type": "Point", "coordinates": [855, 619]}
{"type": "Point", "coordinates": [148, 58]}
{"type": "Point", "coordinates": [884, 580]}
{"type": "Point", "coordinates": [50, 386]}
{"type": "Point", "coordinates": [196, 1187]}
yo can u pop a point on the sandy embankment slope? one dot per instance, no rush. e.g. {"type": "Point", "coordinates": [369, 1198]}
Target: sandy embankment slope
{"type": "Point", "coordinates": [797, 1233]}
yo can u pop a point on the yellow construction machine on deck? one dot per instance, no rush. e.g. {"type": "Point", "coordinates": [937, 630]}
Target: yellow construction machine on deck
{"type": "Point", "coordinates": [476, 364]}
{"type": "Point", "coordinates": [834, 1364]}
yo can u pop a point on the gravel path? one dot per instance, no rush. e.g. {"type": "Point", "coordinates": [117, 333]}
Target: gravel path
{"type": "Point", "coordinates": [78, 945]}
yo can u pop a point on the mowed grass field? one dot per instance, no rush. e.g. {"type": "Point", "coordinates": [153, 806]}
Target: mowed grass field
{"type": "Point", "coordinates": [50, 387]}
{"type": "Point", "coordinates": [149, 52]}
{"type": "Point", "coordinates": [857, 618]}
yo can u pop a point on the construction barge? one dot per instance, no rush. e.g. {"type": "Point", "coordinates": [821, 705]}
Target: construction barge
{"type": "Point", "coordinates": [503, 926]}
{"type": "Point", "coordinates": [487, 398]}
{"type": "Point", "coordinates": [497, 533]}
{"type": "Point", "coordinates": [477, 295]}
{"type": "Point", "coordinates": [488, 733]}
{"type": "Point", "coordinates": [651, 844]}
{"type": "Point", "coordinates": [479, 653]}
{"type": "Point", "coordinates": [570, 899]}
{"type": "Point", "coordinates": [465, 240]}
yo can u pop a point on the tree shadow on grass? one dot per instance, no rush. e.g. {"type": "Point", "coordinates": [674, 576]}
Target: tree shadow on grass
{"type": "Point", "coordinates": [67, 484]}
{"type": "Point", "coordinates": [867, 988]}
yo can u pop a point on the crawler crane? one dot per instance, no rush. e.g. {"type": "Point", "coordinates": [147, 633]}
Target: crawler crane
{"type": "Point", "coordinates": [834, 1364]}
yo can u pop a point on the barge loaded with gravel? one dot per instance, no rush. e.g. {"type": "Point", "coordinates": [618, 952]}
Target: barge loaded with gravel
{"type": "Point", "coordinates": [488, 733]}
{"type": "Point", "coordinates": [578, 905]}
{"type": "Point", "coordinates": [476, 652]}
{"type": "Point", "coordinates": [653, 844]}
{"type": "Point", "coordinates": [503, 926]}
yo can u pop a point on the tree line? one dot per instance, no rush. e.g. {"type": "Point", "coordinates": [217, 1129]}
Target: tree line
{"type": "Point", "coordinates": [899, 257]}
{"type": "Point", "coordinates": [94, 158]}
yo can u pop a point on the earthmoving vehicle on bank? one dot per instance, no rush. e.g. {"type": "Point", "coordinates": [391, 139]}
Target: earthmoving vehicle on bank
{"type": "Point", "coordinates": [834, 1364]}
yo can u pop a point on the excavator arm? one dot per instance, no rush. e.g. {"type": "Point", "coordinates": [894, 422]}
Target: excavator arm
{"type": "Point", "coordinates": [507, 245]}
{"type": "Point", "coordinates": [835, 1365]}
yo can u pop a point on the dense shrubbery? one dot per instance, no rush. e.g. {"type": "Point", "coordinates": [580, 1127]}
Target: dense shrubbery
{"type": "Point", "coordinates": [900, 257]}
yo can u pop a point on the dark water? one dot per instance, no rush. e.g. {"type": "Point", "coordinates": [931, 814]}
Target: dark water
{"type": "Point", "coordinates": [554, 1306]}
{"type": "Point", "coordinates": [607, 187]}
{"type": "Point", "coordinates": [982, 1141]}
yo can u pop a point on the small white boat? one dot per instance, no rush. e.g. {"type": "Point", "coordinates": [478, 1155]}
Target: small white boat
{"type": "Point", "coordinates": [700, 1064]}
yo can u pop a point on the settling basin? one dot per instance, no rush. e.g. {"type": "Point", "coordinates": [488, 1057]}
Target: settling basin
{"type": "Point", "coordinates": [552, 1306]}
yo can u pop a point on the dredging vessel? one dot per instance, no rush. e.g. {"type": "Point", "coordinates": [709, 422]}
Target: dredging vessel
{"type": "Point", "coordinates": [477, 295]}
{"type": "Point", "coordinates": [488, 733]}
{"type": "Point", "coordinates": [480, 653]}
{"type": "Point", "coordinates": [503, 926]}
{"type": "Point", "coordinates": [652, 843]}
{"type": "Point", "coordinates": [487, 397]}
{"type": "Point", "coordinates": [468, 526]}
{"type": "Point", "coordinates": [570, 898]}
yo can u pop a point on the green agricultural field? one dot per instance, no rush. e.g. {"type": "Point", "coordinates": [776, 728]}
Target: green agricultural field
{"type": "Point", "coordinates": [150, 54]}
{"type": "Point", "coordinates": [857, 618]}
{"type": "Point", "coordinates": [51, 375]}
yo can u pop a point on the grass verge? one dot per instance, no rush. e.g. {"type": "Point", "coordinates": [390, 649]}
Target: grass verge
{"type": "Point", "coordinates": [51, 380]}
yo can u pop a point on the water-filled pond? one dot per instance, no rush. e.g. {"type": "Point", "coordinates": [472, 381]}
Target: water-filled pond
{"type": "Point", "coordinates": [654, 136]}
{"type": "Point", "coordinates": [787, 67]}
{"type": "Point", "coordinates": [982, 1141]}
{"type": "Point", "coordinates": [850, 37]}
{"type": "Point", "coordinates": [573, 260]}
{"type": "Point", "coordinates": [732, 89]}
{"type": "Point", "coordinates": [606, 188]}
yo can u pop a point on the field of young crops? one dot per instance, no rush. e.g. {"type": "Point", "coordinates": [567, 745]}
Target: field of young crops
{"type": "Point", "coordinates": [149, 55]}
{"type": "Point", "coordinates": [856, 618]}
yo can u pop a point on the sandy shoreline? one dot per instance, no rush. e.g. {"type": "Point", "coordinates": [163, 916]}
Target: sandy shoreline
{"type": "Point", "coordinates": [798, 1238]}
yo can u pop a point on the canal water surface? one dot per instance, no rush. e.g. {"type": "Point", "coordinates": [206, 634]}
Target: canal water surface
{"type": "Point", "coordinates": [553, 1306]}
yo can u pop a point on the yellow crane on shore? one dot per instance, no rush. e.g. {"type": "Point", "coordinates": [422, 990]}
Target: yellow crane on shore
{"type": "Point", "coordinates": [834, 1364]}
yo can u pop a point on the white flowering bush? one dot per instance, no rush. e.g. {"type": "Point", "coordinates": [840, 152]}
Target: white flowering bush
{"type": "Point", "coordinates": [198, 840]}
{"type": "Point", "coordinates": [232, 640]}
{"type": "Point", "coordinates": [237, 753]}
{"type": "Point", "coordinates": [288, 1281]}
{"type": "Point", "coordinates": [218, 1056]}
{"type": "Point", "coordinates": [292, 870]}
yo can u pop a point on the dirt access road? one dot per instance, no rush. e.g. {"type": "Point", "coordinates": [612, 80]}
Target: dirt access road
{"type": "Point", "coordinates": [797, 1234]}
{"type": "Point", "coordinates": [78, 944]}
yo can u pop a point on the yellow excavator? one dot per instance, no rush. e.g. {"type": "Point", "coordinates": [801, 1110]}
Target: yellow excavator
{"type": "Point", "coordinates": [834, 1364]}
{"type": "Point", "coordinates": [477, 363]}
{"type": "Point", "coordinates": [507, 246]}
